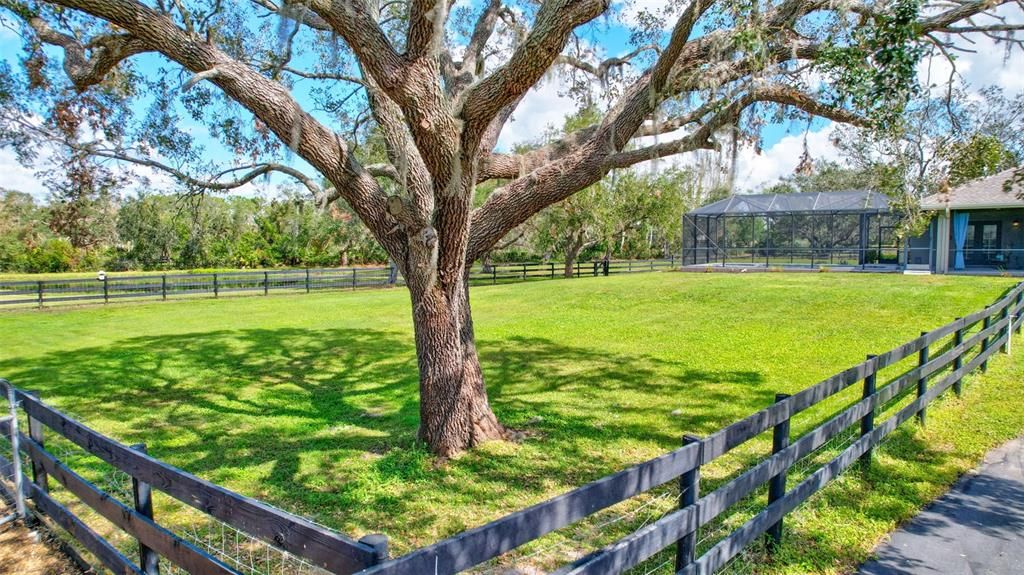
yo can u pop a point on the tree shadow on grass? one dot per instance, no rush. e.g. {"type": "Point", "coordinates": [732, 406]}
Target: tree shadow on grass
{"type": "Point", "coordinates": [323, 422]}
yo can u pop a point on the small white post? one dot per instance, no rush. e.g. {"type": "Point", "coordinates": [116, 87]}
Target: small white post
{"type": "Point", "coordinates": [19, 495]}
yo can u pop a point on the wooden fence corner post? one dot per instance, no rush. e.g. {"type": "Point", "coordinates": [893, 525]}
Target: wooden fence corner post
{"type": "Point", "coordinates": [922, 382]}
{"type": "Point", "coordinates": [958, 340]}
{"type": "Point", "coordinates": [149, 560]}
{"type": "Point", "coordinates": [36, 433]}
{"type": "Point", "coordinates": [777, 485]}
{"type": "Point", "coordinates": [379, 543]}
{"type": "Point", "coordinates": [689, 492]}
{"type": "Point", "coordinates": [867, 423]}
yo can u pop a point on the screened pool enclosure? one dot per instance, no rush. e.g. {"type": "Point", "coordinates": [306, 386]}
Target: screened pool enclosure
{"type": "Point", "coordinates": [853, 228]}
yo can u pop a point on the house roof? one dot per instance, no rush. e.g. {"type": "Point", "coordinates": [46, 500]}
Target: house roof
{"type": "Point", "coordinates": [852, 201]}
{"type": "Point", "coordinates": [981, 193]}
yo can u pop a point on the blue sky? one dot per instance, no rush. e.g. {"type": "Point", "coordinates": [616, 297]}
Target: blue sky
{"type": "Point", "coordinates": [782, 143]}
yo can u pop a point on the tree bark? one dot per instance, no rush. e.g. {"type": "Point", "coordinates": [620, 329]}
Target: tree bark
{"type": "Point", "coordinates": [570, 262]}
{"type": "Point", "coordinates": [455, 414]}
{"type": "Point", "coordinates": [572, 251]}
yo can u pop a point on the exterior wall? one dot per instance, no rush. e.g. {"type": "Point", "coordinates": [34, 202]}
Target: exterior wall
{"type": "Point", "coordinates": [919, 250]}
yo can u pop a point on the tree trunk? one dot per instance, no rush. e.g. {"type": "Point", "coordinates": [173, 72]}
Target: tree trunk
{"type": "Point", "coordinates": [455, 414]}
{"type": "Point", "coordinates": [572, 252]}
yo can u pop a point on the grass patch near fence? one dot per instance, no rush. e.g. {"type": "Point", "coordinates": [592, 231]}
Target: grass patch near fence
{"type": "Point", "coordinates": [310, 402]}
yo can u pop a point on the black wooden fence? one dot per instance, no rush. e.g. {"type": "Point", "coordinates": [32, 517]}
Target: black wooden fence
{"type": "Point", "coordinates": [161, 287]}
{"type": "Point", "coordinates": [961, 347]}
{"type": "Point", "coordinates": [972, 340]}
{"type": "Point", "coordinates": [317, 545]}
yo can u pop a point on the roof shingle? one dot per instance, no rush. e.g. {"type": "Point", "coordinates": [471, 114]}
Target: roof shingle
{"type": "Point", "coordinates": [981, 193]}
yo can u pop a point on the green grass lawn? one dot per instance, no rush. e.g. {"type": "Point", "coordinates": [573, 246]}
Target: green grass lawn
{"type": "Point", "coordinates": [310, 402]}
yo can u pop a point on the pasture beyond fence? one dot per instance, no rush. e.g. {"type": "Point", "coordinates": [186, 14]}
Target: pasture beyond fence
{"type": "Point", "coordinates": [935, 361]}
{"type": "Point", "coordinates": [40, 293]}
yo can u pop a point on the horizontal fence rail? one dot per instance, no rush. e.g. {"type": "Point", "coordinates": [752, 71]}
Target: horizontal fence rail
{"type": "Point", "coordinates": [944, 356]}
{"type": "Point", "coordinates": [993, 326]}
{"type": "Point", "coordinates": [109, 289]}
{"type": "Point", "coordinates": [320, 546]}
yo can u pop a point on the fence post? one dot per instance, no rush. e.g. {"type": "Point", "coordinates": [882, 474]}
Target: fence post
{"type": "Point", "coordinates": [689, 491]}
{"type": "Point", "coordinates": [777, 485]}
{"type": "Point", "coordinates": [216, 289]}
{"type": "Point", "coordinates": [922, 382]}
{"type": "Point", "coordinates": [552, 269]}
{"type": "Point", "coordinates": [984, 343]}
{"type": "Point", "coordinates": [607, 266]}
{"type": "Point", "coordinates": [494, 275]}
{"type": "Point", "coordinates": [867, 423]}
{"type": "Point", "coordinates": [1017, 302]}
{"type": "Point", "coordinates": [1006, 329]}
{"type": "Point", "coordinates": [40, 286]}
{"type": "Point", "coordinates": [106, 290]}
{"type": "Point", "coordinates": [37, 434]}
{"type": "Point", "coordinates": [163, 286]}
{"type": "Point", "coordinates": [149, 560]}
{"type": "Point", "coordinates": [266, 283]}
{"type": "Point", "coordinates": [958, 339]}
{"type": "Point", "coordinates": [379, 543]}
{"type": "Point", "coordinates": [307, 280]}
{"type": "Point", "coordinates": [353, 279]}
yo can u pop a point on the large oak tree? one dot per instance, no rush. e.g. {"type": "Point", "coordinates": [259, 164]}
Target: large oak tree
{"type": "Point", "coordinates": [435, 82]}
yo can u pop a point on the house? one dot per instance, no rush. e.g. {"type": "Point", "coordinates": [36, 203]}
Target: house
{"type": "Point", "coordinates": [976, 229]}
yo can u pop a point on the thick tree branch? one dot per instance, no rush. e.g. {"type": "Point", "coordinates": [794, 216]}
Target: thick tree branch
{"type": "Point", "coordinates": [555, 22]}
{"type": "Point", "coordinates": [87, 64]}
{"type": "Point", "coordinates": [426, 27]}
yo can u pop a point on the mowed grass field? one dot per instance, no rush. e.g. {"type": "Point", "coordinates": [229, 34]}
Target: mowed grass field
{"type": "Point", "coordinates": [310, 402]}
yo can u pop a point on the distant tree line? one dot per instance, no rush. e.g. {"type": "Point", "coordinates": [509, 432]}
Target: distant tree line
{"type": "Point", "coordinates": [98, 230]}
{"type": "Point", "coordinates": [84, 225]}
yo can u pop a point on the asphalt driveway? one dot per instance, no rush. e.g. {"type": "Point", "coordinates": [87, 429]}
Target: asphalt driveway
{"type": "Point", "coordinates": [975, 529]}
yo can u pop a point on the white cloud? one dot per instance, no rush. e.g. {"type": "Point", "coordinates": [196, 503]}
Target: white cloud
{"type": "Point", "coordinates": [542, 107]}
{"type": "Point", "coordinates": [630, 10]}
{"type": "Point", "coordinates": [18, 177]}
{"type": "Point", "coordinates": [758, 171]}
